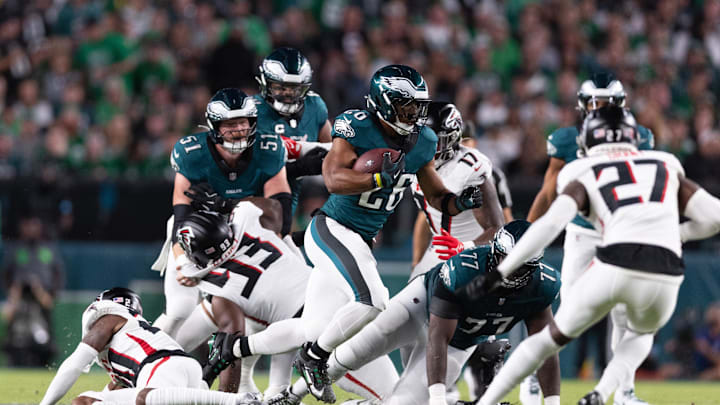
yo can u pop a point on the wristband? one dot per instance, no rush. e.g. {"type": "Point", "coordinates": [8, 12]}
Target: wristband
{"type": "Point", "coordinates": [552, 400]}
{"type": "Point", "coordinates": [437, 392]}
{"type": "Point", "coordinates": [445, 202]}
{"type": "Point", "coordinates": [377, 180]}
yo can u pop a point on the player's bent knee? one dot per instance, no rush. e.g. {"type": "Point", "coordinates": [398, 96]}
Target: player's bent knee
{"type": "Point", "coordinates": [140, 399]}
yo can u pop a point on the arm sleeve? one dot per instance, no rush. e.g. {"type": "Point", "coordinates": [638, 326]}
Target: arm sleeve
{"type": "Point", "coordinates": [286, 202]}
{"type": "Point", "coordinates": [704, 212]}
{"type": "Point", "coordinates": [540, 234]}
{"type": "Point", "coordinates": [180, 212]}
{"type": "Point", "coordinates": [69, 372]}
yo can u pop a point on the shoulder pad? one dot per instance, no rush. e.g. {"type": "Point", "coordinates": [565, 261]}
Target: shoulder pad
{"type": "Point", "coordinates": [98, 309]}
{"type": "Point", "coordinates": [646, 139]}
{"type": "Point", "coordinates": [345, 124]}
{"type": "Point", "coordinates": [243, 212]}
{"type": "Point", "coordinates": [561, 142]}
{"type": "Point", "coordinates": [570, 172]}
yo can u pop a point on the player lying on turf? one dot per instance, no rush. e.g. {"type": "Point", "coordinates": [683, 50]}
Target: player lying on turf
{"type": "Point", "coordinates": [145, 365]}
{"type": "Point", "coordinates": [456, 324]}
{"type": "Point", "coordinates": [635, 198]}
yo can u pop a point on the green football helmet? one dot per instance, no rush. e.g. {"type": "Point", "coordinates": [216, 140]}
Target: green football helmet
{"type": "Point", "coordinates": [504, 241]}
{"type": "Point", "coordinates": [285, 78]}
{"type": "Point", "coordinates": [399, 97]}
{"type": "Point", "coordinates": [227, 104]}
{"type": "Point", "coordinates": [603, 89]}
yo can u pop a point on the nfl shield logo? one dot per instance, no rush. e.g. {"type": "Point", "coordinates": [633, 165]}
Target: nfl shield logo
{"type": "Point", "coordinates": [232, 176]}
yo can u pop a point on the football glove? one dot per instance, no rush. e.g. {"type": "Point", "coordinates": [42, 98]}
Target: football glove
{"type": "Point", "coordinates": [292, 147]}
{"type": "Point", "coordinates": [451, 244]}
{"type": "Point", "coordinates": [470, 198]}
{"type": "Point", "coordinates": [391, 171]}
{"type": "Point", "coordinates": [221, 355]}
{"type": "Point", "coordinates": [204, 198]}
{"type": "Point", "coordinates": [308, 165]}
{"type": "Point", "coordinates": [482, 285]}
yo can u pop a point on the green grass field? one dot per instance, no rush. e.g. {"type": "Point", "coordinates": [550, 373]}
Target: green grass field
{"type": "Point", "coordinates": [28, 387]}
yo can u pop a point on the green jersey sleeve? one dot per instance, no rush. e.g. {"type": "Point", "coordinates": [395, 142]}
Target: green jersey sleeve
{"type": "Point", "coordinates": [321, 111]}
{"type": "Point", "coordinates": [186, 154]}
{"type": "Point", "coordinates": [646, 139]}
{"type": "Point", "coordinates": [562, 144]}
{"type": "Point", "coordinates": [271, 153]}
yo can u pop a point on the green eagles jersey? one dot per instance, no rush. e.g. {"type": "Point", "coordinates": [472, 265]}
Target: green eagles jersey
{"type": "Point", "coordinates": [367, 212]}
{"type": "Point", "coordinates": [493, 314]}
{"type": "Point", "coordinates": [195, 158]}
{"type": "Point", "coordinates": [562, 144]}
{"type": "Point", "coordinates": [314, 116]}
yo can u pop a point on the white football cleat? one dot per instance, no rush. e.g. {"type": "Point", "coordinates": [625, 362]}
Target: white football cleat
{"type": "Point", "coordinates": [530, 392]}
{"type": "Point", "coordinates": [627, 397]}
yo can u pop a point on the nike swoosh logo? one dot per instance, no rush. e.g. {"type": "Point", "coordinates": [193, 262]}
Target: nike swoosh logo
{"type": "Point", "coordinates": [177, 155]}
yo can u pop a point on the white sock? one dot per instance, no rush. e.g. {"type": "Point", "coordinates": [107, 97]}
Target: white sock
{"type": "Point", "coordinates": [281, 370]}
{"type": "Point", "coordinates": [189, 396]}
{"type": "Point", "coordinates": [279, 337]}
{"type": "Point", "coordinates": [629, 354]}
{"type": "Point", "coordinates": [524, 360]}
{"type": "Point", "coordinates": [121, 396]}
{"type": "Point", "coordinates": [346, 322]}
{"type": "Point", "coordinates": [247, 382]}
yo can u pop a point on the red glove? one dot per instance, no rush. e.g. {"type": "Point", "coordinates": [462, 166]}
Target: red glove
{"type": "Point", "coordinates": [452, 245]}
{"type": "Point", "coordinates": [293, 148]}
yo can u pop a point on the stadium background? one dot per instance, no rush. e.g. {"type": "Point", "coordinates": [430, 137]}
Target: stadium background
{"type": "Point", "coordinates": [93, 94]}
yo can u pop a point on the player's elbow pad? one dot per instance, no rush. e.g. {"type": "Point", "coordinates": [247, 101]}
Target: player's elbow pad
{"type": "Point", "coordinates": [180, 212]}
{"type": "Point", "coordinates": [285, 200]}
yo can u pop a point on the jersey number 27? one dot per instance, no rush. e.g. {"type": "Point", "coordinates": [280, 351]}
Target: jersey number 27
{"type": "Point", "coordinates": [626, 177]}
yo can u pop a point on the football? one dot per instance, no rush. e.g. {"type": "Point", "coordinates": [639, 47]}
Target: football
{"type": "Point", "coordinates": [371, 161]}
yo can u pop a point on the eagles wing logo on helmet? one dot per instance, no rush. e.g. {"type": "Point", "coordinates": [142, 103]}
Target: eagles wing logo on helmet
{"type": "Point", "coordinates": [342, 126]}
{"type": "Point", "coordinates": [400, 84]}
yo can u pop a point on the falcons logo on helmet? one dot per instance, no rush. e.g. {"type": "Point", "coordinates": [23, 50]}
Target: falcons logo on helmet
{"type": "Point", "coordinates": [185, 237]}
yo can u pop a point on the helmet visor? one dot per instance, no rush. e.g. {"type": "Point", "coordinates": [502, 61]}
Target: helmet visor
{"type": "Point", "coordinates": [288, 93]}
{"type": "Point", "coordinates": [411, 111]}
{"type": "Point", "coordinates": [237, 134]}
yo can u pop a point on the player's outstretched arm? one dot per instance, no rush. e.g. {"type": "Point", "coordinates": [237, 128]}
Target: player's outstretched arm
{"type": "Point", "coordinates": [543, 231]}
{"type": "Point", "coordinates": [439, 334]}
{"type": "Point", "coordinates": [701, 207]}
{"type": "Point", "coordinates": [95, 341]}
{"type": "Point", "coordinates": [421, 238]}
{"type": "Point", "coordinates": [338, 174]}
{"type": "Point", "coordinates": [549, 372]}
{"type": "Point", "coordinates": [278, 188]}
{"type": "Point", "coordinates": [548, 192]}
{"type": "Point", "coordinates": [443, 199]}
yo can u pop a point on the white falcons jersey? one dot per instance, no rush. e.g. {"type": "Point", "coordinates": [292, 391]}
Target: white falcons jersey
{"type": "Point", "coordinates": [467, 168]}
{"type": "Point", "coordinates": [129, 346]}
{"type": "Point", "coordinates": [264, 277]}
{"type": "Point", "coordinates": [632, 195]}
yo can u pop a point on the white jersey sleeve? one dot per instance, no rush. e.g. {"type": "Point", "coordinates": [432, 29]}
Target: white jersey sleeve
{"type": "Point", "coordinates": [97, 310]}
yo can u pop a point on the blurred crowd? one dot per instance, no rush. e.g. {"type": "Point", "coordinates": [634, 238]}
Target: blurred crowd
{"type": "Point", "coordinates": [103, 89]}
